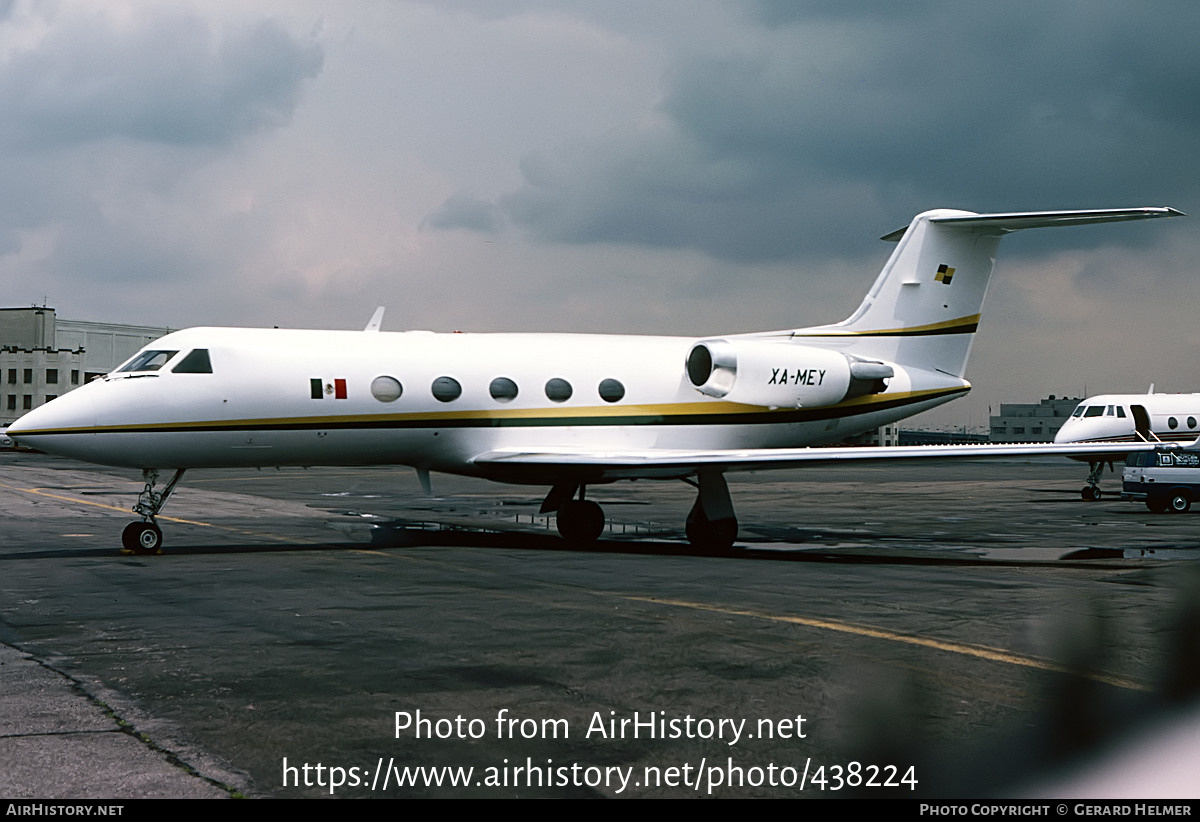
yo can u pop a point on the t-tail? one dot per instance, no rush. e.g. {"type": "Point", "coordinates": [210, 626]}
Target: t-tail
{"type": "Point", "coordinates": [925, 305]}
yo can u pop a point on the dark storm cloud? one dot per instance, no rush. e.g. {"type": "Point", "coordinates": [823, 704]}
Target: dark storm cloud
{"type": "Point", "coordinates": [161, 78]}
{"type": "Point", "coordinates": [762, 148]}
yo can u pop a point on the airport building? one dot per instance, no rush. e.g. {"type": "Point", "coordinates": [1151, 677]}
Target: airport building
{"type": "Point", "coordinates": [1027, 422]}
{"type": "Point", "coordinates": [42, 356]}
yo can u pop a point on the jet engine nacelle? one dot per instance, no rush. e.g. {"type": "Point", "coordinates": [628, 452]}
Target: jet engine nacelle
{"type": "Point", "coordinates": [781, 374]}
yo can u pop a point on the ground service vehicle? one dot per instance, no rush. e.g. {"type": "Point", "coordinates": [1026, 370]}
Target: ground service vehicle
{"type": "Point", "coordinates": [1166, 479]}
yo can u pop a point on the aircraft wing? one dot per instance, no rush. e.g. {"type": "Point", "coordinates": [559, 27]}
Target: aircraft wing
{"type": "Point", "coordinates": [520, 464]}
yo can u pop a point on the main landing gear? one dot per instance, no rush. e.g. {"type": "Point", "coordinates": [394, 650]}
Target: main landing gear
{"type": "Point", "coordinates": [1092, 489]}
{"type": "Point", "coordinates": [711, 524]}
{"type": "Point", "coordinates": [145, 537]}
{"type": "Point", "coordinates": [580, 521]}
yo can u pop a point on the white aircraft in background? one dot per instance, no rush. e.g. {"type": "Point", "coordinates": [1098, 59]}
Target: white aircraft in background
{"type": "Point", "coordinates": [559, 410]}
{"type": "Point", "coordinates": [1111, 418]}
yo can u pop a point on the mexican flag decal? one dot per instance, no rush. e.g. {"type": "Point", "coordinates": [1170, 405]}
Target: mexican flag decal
{"type": "Point", "coordinates": [321, 389]}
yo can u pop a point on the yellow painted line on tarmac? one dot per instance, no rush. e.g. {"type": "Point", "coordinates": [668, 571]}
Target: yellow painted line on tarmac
{"type": "Point", "coordinates": [42, 493]}
{"type": "Point", "coordinates": [977, 651]}
{"type": "Point", "coordinates": [966, 649]}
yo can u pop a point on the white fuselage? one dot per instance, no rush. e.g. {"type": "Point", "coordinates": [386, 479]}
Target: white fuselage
{"type": "Point", "coordinates": [1114, 418]}
{"type": "Point", "coordinates": [284, 397]}
{"type": "Point", "coordinates": [465, 403]}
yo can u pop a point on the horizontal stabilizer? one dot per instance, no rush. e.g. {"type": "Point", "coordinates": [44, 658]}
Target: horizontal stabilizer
{"type": "Point", "coordinates": [1044, 219]}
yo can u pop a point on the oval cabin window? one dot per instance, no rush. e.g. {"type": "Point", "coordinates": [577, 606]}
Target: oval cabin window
{"type": "Point", "coordinates": [611, 390]}
{"type": "Point", "coordinates": [558, 389]}
{"type": "Point", "coordinates": [446, 389]}
{"type": "Point", "coordinates": [386, 389]}
{"type": "Point", "coordinates": [503, 389]}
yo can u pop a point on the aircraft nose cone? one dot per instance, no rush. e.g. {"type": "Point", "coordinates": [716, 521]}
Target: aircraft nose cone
{"type": "Point", "coordinates": [49, 426]}
{"type": "Point", "coordinates": [1064, 434]}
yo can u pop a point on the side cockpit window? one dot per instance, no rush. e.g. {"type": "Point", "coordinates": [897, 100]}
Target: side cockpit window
{"type": "Point", "coordinates": [196, 362]}
{"type": "Point", "coordinates": [148, 361]}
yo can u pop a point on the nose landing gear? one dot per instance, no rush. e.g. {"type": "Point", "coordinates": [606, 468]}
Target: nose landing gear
{"type": "Point", "coordinates": [1092, 490]}
{"type": "Point", "coordinates": [145, 537]}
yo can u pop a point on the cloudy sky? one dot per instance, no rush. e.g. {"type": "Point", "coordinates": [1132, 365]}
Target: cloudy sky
{"type": "Point", "coordinates": [648, 166]}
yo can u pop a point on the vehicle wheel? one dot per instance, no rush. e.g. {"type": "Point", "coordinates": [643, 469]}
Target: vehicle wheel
{"type": "Point", "coordinates": [142, 538]}
{"type": "Point", "coordinates": [1087, 492]}
{"type": "Point", "coordinates": [1179, 503]}
{"type": "Point", "coordinates": [581, 522]}
{"type": "Point", "coordinates": [1158, 506]}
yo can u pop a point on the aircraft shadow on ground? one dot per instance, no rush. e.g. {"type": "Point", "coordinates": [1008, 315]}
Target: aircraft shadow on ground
{"type": "Point", "coordinates": [775, 544]}
{"type": "Point", "coordinates": [795, 546]}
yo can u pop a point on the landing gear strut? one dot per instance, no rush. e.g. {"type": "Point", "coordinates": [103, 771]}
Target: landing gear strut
{"type": "Point", "coordinates": [145, 537]}
{"type": "Point", "coordinates": [1092, 489]}
{"type": "Point", "coordinates": [711, 524]}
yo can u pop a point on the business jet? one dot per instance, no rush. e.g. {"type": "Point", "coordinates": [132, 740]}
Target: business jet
{"type": "Point", "coordinates": [1111, 418]}
{"type": "Point", "coordinates": [564, 411]}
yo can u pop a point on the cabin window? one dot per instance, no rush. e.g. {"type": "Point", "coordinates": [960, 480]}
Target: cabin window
{"type": "Point", "coordinates": [1172, 423]}
{"type": "Point", "coordinates": [149, 361]}
{"type": "Point", "coordinates": [386, 389]}
{"type": "Point", "coordinates": [196, 362]}
{"type": "Point", "coordinates": [611, 390]}
{"type": "Point", "coordinates": [503, 389]}
{"type": "Point", "coordinates": [558, 389]}
{"type": "Point", "coordinates": [1191, 422]}
{"type": "Point", "coordinates": [1121, 411]}
{"type": "Point", "coordinates": [1094, 411]}
{"type": "Point", "coordinates": [446, 389]}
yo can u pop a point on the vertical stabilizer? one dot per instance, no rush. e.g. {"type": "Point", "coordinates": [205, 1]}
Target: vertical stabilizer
{"type": "Point", "coordinates": [925, 305]}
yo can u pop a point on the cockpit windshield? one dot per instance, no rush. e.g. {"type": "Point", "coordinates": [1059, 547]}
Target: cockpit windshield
{"type": "Point", "coordinates": [196, 362]}
{"type": "Point", "coordinates": [148, 361]}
